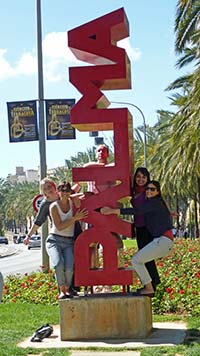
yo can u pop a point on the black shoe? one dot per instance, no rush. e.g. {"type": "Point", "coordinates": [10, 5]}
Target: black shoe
{"type": "Point", "coordinates": [76, 288]}
{"type": "Point", "coordinates": [68, 296]}
{"type": "Point", "coordinates": [73, 292]}
{"type": "Point", "coordinates": [65, 296]}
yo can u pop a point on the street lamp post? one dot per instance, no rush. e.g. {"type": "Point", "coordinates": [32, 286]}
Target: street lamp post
{"type": "Point", "coordinates": [42, 143]}
{"type": "Point", "coordinates": [144, 126]}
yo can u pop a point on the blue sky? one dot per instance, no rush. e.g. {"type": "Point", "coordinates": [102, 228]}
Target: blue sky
{"type": "Point", "coordinates": [150, 48]}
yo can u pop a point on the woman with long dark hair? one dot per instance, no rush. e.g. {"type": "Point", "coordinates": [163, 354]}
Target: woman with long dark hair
{"type": "Point", "coordinates": [143, 236]}
{"type": "Point", "coordinates": [158, 222]}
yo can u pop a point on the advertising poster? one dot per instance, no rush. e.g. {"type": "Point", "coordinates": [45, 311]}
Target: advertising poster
{"type": "Point", "coordinates": [22, 121]}
{"type": "Point", "coordinates": [58, 119]}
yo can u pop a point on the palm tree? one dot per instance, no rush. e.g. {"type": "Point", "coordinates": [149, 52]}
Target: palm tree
{"type": "Point", "coordinates": [17, 204]}
{"type": "Point", "coordinates": [187, 24]}
{"type": "Point", "coordinates": [5, 187]}
{"type": "Point", "coordinates": [176, 154]}
{"type": "Point", "coordinates": [61, 174]}
{"type": "Point", "coordinates": [178, 146]}
{"type": "Point", "coordinates": [81, 158]}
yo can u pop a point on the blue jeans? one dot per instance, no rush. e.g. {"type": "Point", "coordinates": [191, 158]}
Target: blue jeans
{"type": "Point", "coordinates": [61, 252]}
{"type": "Point", "coordinates": [159, 247]}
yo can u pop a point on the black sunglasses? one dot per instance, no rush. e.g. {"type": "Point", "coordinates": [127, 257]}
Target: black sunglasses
{"type": "Point", "coordinates": [151, 189]}
{"type": "Point", "coordinates": [64, 188]}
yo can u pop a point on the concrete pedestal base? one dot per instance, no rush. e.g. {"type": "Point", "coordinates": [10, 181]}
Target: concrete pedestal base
{"type": "Point", "coordinates": [107, 316]}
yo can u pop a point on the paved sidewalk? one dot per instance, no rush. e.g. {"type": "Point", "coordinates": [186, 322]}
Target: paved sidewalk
{"type": "Point", "coordinates": [9, 250]}
{"type": "Point", "coordinates": [163, 334]}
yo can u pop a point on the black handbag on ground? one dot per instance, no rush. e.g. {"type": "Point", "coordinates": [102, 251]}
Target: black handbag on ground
{"type": "Point", "coordinates": [42, 332]}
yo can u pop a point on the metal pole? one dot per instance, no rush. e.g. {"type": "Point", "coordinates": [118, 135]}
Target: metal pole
{"type": "Point", "coordinates": [144, 127]}
{"type": "Point", "coordinates": [42, 145]}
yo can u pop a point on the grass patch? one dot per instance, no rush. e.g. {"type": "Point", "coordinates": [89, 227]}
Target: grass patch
{"type": "Point", "coordinates": [19, 321]}
{"type": "Point", "coordinates": [130, 243]}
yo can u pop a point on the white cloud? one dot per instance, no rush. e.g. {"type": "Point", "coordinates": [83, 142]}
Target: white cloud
{"type": "Point", "coordinates": [134, 54]}
{"type": "Point", "coordinates": [55, 45]}
{"type": "Point", "coordinates": [27, 65]}
{"type": "Point", "coordinates": [6, 70]}
{"type": "Point", "coordinates": [56, 57]}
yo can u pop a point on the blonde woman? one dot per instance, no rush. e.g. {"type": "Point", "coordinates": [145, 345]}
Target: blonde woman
{"type": "Point", "coordinates": [48, 189]}
{"type": "Point", "coordinates": [60, 242]}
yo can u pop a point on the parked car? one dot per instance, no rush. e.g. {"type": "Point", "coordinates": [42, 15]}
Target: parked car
{"type": "Point", "coordinates": [35, 241]}
{"type": "Point", "coordinates": [15, 237]}
{"type": "Point", "coordinates": [3, 240]}
{"type": "Point", "coordinates": [20, 239]}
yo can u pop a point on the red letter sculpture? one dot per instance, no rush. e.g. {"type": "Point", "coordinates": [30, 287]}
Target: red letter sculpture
{"type": "Point", "coordinates": [95, 43]}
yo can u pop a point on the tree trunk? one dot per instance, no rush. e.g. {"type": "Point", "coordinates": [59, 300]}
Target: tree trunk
{"type": "Point", "coordinates": [198, 192]}
{"type": "Point", "coordinates": [196, 217]}
{"type": "Point", "coordinates": [177, 210]}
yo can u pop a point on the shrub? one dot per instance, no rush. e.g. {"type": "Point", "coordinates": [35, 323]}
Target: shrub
{"type": "Point", "coordinates": [38, 288]}
{"type": "Point", "coordinates": [180, 274]}
{"type": "Point", "coordinates": [177, 293]}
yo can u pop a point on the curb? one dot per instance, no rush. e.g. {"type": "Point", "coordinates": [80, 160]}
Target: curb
{"type": "Point", "coordinates": [9, 252]}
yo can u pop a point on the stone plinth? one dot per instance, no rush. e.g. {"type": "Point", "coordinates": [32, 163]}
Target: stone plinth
{"type": "Point", "coordinates": [107, 316]}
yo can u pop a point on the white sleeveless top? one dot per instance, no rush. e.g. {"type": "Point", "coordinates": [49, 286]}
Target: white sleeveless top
{"type": "Point", "coordinates": [68, 231]}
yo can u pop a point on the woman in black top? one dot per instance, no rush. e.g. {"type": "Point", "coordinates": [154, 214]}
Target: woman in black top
{"type": "Point", "coordinates": [158, 222]}
{"type": "Point", "coordinates": [143, 237]}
